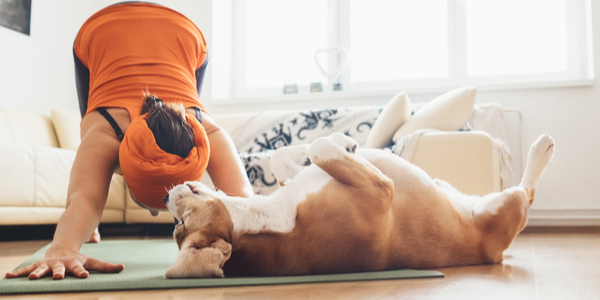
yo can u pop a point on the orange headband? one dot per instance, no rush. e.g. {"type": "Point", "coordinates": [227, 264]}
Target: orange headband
{"type": "Point", "coordinates": [150, 171]}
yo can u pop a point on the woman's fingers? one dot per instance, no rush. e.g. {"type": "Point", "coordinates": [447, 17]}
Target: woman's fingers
{"type": "Point", "coordinates": [22, 271]}
{"type": "Point", "coordinates": [40, 272]}
{"type": "Point", "coordinates": [76, 269]}
{"type": "Point", "coordinates": [58, 271]}
{"type": "Point", "coordinates": [78, 266]}
{"type": "Point", "coordinates": [93, 264]}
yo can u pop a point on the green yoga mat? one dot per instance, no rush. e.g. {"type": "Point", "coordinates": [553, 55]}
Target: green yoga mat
{"type": "Point", "coordinates": [146, 262]}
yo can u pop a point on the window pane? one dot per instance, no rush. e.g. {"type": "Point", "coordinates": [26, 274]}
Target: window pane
{"type": "Point", "coordinates": [394, 40]}
{"type": "Point", "coordinates": [515, 37]}
{"type": "Point", "coordinates": [281, 40]}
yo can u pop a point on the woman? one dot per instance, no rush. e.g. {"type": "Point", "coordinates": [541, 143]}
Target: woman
{"type": "Point", "coordinates": [139, 70]}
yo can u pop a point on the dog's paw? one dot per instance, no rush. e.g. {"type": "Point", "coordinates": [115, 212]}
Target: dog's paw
{"type": "Point", "coordinates": [540, 154]}
{"type": "Point", "coordinates": [345, 141]}
{"type": "Point", "coordinates": [287, 162]}
{"type": "Point", "coordinates": [330, 147]}
{"type": "Point", "coordinates": [542, 150]}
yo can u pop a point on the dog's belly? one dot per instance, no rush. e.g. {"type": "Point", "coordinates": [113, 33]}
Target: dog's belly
{"type": "Point", "coordinates": [332, 235]}
{"type": "Point", "coordinates": [405, 175]}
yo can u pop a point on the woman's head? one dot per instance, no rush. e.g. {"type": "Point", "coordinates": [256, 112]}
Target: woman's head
{"type": "Point", "coordinates": [162, 148]}
{"type": "Point", "coordinates": [167, 122]}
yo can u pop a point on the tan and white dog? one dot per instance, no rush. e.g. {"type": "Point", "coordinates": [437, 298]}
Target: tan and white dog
{"type": "Point", "coordinates": [340, 211]}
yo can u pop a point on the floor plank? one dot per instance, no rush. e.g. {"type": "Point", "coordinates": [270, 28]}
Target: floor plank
{"type": "Point", "coordinates": [543, 263]}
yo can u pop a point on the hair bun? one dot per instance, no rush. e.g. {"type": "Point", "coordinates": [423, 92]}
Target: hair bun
{"type": "Point", "coordinates": [151, 102]}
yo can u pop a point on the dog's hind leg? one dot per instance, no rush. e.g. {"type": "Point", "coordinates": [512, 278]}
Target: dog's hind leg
{"type": "Point", "coordinates": [335, 155]}
{"type": "Point", "coordinates": [501, 216]}
{"type": "Point", "coordinates": [538, 158]}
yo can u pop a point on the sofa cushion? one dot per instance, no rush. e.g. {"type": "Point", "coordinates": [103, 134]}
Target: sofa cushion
{"type": "Point", "coordinates": [393, 115]}
{"type": "Point", "coordinates": [232, 122]}
{"type": "Point", "coordinates": [66, 122]}
{"type": "Point", "coordinates": [16, 178]}
{"type": "Point", "coordinates": [34, 176]}
{"type": "Point", "coordinates": [26, 128]}
{"type": "Point", "coordinates": [447, 112]}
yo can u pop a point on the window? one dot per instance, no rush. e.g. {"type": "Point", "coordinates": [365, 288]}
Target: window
{"type": "Point", "coordinates": [261, 45]}
{"type": "Point", "coordinates": [395, 42]}
{"type": "Point", "coordinates": [280, 47]}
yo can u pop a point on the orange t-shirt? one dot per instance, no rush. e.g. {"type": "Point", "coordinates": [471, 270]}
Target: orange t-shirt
{"type": "Point", "coordinates": [129, 48]}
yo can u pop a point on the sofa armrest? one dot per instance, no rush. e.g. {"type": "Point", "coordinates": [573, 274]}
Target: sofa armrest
{"type": "Point", "coordinates": [467, 160]}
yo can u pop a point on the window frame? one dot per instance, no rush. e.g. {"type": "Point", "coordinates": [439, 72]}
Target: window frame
{"type": "Point", "coordinates": [580, 59]}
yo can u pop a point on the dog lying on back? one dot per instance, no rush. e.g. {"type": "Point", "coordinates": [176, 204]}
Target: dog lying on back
{"type": "Point", "coordinates": [340, 210]}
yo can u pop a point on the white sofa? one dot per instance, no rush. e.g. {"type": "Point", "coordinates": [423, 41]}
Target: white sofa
{"type": "Point", "coordinates": [36, 154]}
{"type": "Point", "coordinates": [37, 151]}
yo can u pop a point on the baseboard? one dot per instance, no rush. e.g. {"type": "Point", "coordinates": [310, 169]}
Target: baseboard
{"type": "Point", "coordinates": [564, 217]}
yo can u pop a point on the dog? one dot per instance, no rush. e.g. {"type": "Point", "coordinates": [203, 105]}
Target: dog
{"type": "Point", "coordinates": [343, 210]}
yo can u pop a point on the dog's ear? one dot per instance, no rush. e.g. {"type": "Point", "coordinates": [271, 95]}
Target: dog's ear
{"type": "Point", "coordinates": [224, 247]}
{"type": "Point", "coordinates": [197, 263]}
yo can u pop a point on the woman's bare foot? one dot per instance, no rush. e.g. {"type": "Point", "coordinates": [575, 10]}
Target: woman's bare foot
{"type": "Point", "coordinates": [95, 237]}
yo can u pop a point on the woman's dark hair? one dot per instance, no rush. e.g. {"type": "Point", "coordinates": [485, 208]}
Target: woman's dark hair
{"type": "Point", "coordinates": [168, 124]}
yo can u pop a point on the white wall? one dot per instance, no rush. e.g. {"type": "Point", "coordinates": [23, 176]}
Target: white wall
{"type": "Point", "coordinates": [36, 73]}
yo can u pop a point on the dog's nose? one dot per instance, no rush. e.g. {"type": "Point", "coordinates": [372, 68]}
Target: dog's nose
{"type": "Point", "coordinates": [166, 198]}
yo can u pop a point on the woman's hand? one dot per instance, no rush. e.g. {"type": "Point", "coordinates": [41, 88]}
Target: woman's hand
{"type": "Point", "coordinates": [61, 262]}
{"type": "Point", "coordinates": [92, 170]}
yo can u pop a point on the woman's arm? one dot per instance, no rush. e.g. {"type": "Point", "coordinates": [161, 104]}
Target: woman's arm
{"type": "Point", "coordinates": [225, 167]}
{"type": "Point", "coordinates": [92, 171]}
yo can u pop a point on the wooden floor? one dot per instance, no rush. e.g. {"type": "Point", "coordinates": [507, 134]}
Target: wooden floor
{"type": "Point", "coordinates": [543, 263]}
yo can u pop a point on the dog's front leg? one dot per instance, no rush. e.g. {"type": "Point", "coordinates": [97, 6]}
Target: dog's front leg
{"type": "Point", "coordinates": [335, 155]}
{"type": "Point", "coordinates": [287, 162]}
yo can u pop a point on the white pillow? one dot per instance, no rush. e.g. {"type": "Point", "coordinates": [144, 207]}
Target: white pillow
{"type": "Point", "coordinates": [447, 112]}
{"type": "Point", "coordinates": [66, 124]}
{"type": "Point", "coordinates": [393, 115]}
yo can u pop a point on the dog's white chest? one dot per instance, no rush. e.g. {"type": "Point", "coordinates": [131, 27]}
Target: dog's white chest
{"type": "Point", "coordinates": [277, 212]}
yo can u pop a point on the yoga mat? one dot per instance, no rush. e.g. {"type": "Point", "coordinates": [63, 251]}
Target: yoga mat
{"type": "Point", "coordinates": [146, 262]}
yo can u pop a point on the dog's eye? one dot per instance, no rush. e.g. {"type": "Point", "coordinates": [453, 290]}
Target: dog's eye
{"type": "Point", "coordinates": [307, 162]}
